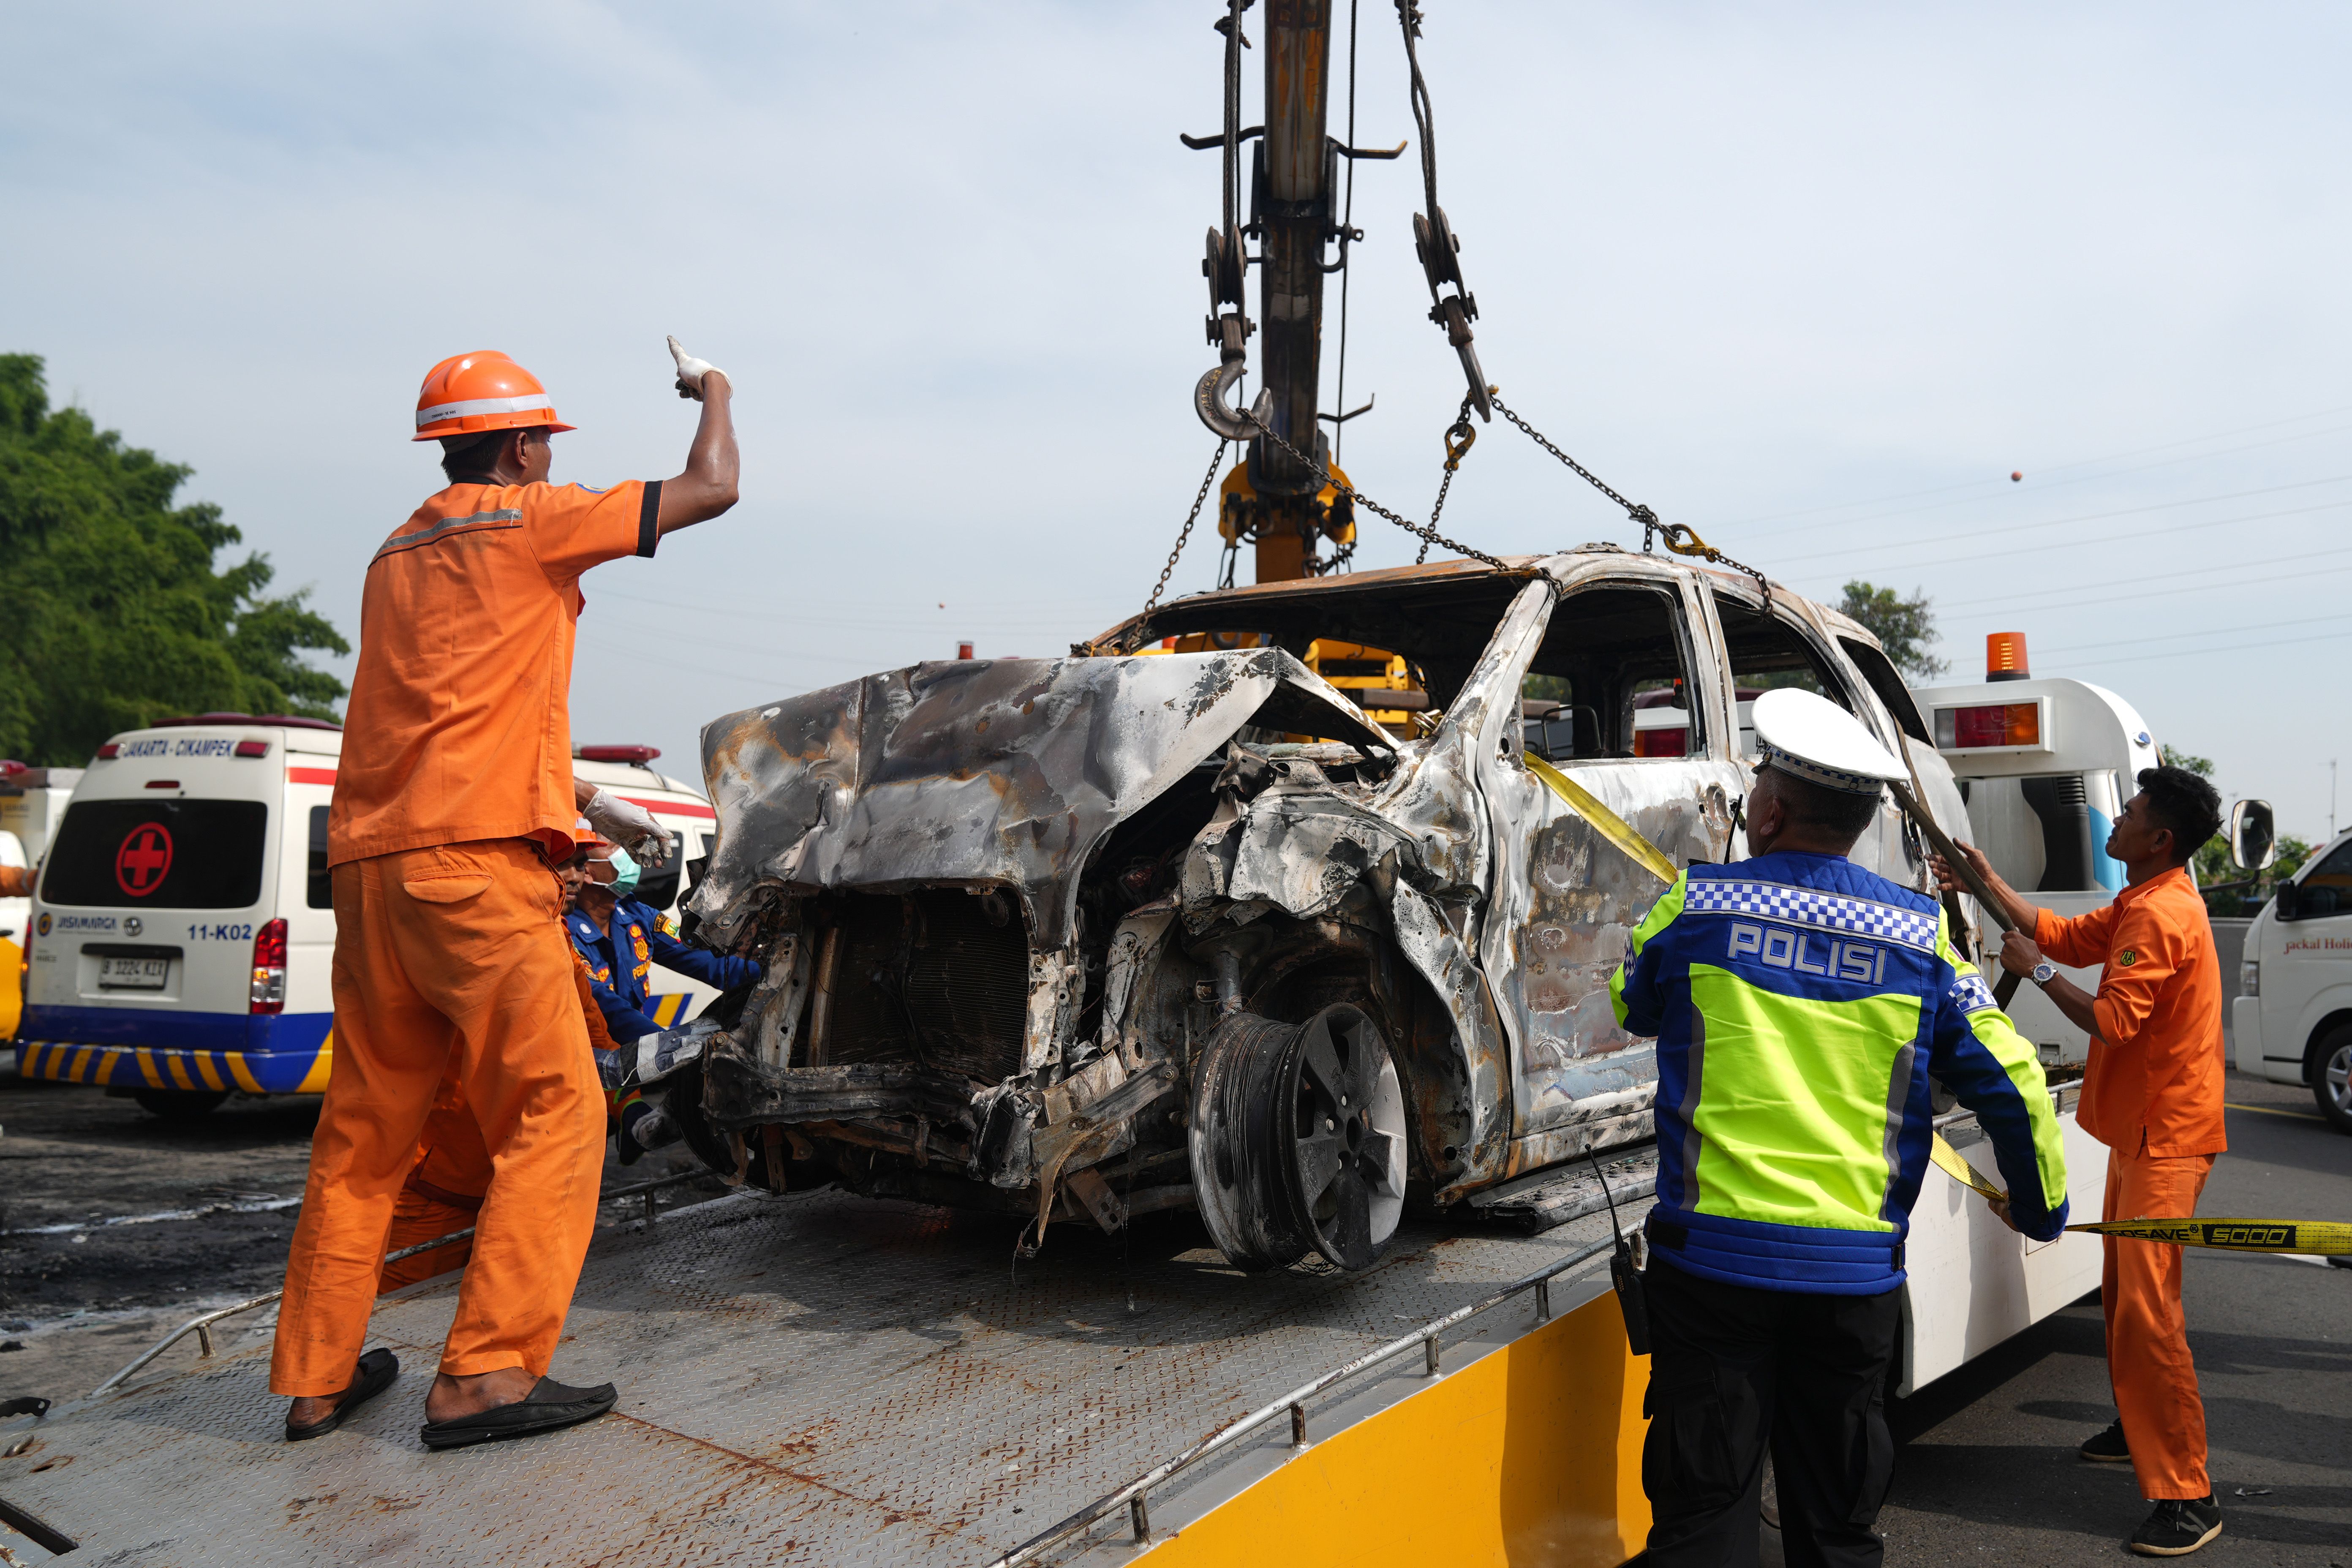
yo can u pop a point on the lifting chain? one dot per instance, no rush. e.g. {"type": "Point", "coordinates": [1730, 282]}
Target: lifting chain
{"type": "Point", "coordinates": [1216, 460]}
{"type": "Point", "coordinates": [1680, 537]}
{"type": "Point", "coordinates": [1426, 532]}
{"type": "Point", "coordinates": [1460, 436]}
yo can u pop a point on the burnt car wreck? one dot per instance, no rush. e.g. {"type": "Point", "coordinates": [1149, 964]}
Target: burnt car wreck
{"type": "Point", "coordinates": [1078, 939]}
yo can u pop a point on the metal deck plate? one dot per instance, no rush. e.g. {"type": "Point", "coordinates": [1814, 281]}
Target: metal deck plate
{"type": "Point", "coordinates": [820, 1379]}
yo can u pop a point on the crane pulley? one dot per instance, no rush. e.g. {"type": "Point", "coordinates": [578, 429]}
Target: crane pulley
{"type": "Point", "coordinates": [1287, 496]}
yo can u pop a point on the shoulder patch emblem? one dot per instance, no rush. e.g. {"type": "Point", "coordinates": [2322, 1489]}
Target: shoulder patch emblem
{"type": "Point", "coordinates": [2127, 957]}
{"type": "Point", "coordinates": [666, 925]}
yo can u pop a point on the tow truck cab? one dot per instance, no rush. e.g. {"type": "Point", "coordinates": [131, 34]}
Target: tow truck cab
{"type": "Point", "coordinates": [2045, 766]}
{"type": "Point", "coordinates": [182, 928]}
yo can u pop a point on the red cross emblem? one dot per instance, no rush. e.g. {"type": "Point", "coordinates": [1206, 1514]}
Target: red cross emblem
{"type": "Point", "coordinates": [144, 858]}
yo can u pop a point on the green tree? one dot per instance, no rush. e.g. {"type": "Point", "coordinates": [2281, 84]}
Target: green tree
{"type": "Point", "coordinates": [1905, 627]}
{"type": "Point", "coordinates": [116, 614]}
{"type": "Point", "coordinates": [2226, 887]}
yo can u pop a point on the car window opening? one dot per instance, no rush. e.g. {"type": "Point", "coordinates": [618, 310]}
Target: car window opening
{"type": "Point", "coordinates": [1611, 681]}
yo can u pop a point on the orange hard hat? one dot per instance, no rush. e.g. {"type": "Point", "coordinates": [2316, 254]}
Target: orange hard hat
{"type": "Point", "coordinates": [465, 394]}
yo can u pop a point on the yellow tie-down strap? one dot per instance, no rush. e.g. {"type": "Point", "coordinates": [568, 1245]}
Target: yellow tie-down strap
{"type": "Point", "coordinates": [2320, 1238]}
{"type": "Point", "coordinates": [1614, 827]}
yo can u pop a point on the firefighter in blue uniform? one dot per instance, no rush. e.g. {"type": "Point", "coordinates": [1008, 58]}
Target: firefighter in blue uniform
{"type": "Point", "coordinates": [1801, 1005]}
{"type": "Point", "coordinates": [621, 939]}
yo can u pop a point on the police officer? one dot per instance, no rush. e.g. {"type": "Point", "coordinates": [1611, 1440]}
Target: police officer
{"type": "Point", "coordinates": [1800, 1003]}
{"type": "Point", "coordinates": [621, 939]}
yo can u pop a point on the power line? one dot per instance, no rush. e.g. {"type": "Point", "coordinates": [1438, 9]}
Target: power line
{"type": "Point", "coordinates": [2176, 634]}
{"type": "Point", "coordinates": [2160, 592]}
{"type": "Point", "coordinates": [2100, 539]}
{"type": "Point", "coordinates": [2058, 468]}
{"type": "Point", "coordinates": [2203, 652]}
{"type": "Point", "coordinates": [2202, 571]}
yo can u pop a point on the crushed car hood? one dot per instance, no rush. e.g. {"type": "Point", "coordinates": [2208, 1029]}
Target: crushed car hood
{"type": "Point", "coordinates": [980, 771]}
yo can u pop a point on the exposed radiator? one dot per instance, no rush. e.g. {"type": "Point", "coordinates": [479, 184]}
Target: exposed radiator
{"type": "Point", "coordinates": [930, 977]}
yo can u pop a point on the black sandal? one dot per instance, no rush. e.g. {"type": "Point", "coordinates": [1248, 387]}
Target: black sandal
{"type": "Point", "coordinates": [547, 1408]}
{"type": "Point", "coordinates": [373, 1377]}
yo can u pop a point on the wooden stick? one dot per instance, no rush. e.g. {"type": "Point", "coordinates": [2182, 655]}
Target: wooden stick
{"type": "Point", "coordinates": [1941, 842]}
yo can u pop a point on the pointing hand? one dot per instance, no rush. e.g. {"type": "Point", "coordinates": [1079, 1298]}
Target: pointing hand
{"type": "Point", "coordinates": [690, 371]}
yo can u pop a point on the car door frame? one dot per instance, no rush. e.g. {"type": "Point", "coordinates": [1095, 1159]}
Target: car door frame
{"type": "Point", "coordinates": [1896, 851]}
{"type": "Point", "coordinates": [1526, 815]}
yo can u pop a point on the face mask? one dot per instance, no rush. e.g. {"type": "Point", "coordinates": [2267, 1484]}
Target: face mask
{"type": "Point", "coordinates": [624, 874]}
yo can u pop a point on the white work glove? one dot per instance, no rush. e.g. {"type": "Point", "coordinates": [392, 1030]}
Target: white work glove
{"type": "Point", "coordinates": [630, 825]}
{"type": "Point", "coordinates": [659, 1056]}
{"type": "Point", "coordinates": [690, 371]}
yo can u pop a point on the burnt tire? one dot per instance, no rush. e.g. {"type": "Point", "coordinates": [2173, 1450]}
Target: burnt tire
{"type": "Point", "coordinates": [180, 1104]}
{"type": "Point", "coordinates": [1298, 1140]}
{"type": "Point", "coordinates": [681, 1097]}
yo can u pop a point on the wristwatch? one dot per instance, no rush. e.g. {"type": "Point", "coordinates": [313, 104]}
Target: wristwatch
{"type": "Point", "coordinates": [2045, 973]}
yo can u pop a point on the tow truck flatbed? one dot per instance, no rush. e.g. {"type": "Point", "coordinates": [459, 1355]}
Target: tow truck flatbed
{"type": "Point", "coordinates": [819, 1378]}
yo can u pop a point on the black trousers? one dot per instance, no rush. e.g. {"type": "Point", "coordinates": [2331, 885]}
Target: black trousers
{"type": "Point", "coordinates": [1732, 1368]}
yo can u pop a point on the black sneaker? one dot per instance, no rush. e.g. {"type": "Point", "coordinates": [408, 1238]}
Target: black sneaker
{"type": "Point", "coordinates": [2107, 1448]}
{"type": "Point", "coordinates": [2178, 1527]}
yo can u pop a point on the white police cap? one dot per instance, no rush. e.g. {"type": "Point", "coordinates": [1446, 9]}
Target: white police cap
{"type": "Point", "coordinates": [1820, 742]}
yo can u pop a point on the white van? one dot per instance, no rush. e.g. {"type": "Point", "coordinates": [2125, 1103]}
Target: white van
{"type": "Point", "coordinates": [2292, 1016]}
{"type": "Point", "coordinates": [184, 922]}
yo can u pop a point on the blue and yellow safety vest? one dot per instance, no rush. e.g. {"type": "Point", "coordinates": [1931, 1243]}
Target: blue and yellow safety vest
{"type": "Point", "coordinates": [1800, 1004]}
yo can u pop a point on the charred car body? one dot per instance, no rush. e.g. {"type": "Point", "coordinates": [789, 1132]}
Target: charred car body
{"type": "Point", "coordinates": [1082, 938]}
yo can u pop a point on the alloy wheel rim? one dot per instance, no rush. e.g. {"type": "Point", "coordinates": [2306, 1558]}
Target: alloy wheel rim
{"type": "Point", "coordinates": [1348, 1133]}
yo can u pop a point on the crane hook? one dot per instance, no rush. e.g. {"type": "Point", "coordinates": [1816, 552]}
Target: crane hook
{"type": "Point", "coordinates": [1209, 401]}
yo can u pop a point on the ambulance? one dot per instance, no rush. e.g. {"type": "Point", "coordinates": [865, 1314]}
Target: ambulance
{"type": "Point", "coordinates": [2045, 766]}
{"type": "Point", "coordinates": [182, 926]}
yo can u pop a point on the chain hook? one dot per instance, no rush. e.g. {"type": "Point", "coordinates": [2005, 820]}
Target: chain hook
{"type": "Point", "coordinates": [1459, 438]}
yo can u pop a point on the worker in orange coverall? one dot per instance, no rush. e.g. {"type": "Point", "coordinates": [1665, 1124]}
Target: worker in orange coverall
{"type": "Point", "coordinates": [444, 1191]}
{"type": "Point", "coordinates": [2152, 1094]}
{"type": "Point", "coordinates": [455, 799]}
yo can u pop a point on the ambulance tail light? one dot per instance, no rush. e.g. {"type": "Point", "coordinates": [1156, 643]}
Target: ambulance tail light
{"type": "Point", "coordinates": [253, 748]}
{"type": "Point", "coordinates": [109, 751]}
{"type": "Point", "coordinates": [1988, 724]}
{"type": "Point", "coordinates": [268, 994]}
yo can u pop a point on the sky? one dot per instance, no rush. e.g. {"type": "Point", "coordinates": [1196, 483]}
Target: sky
{"type": "Point", "coordinates": [1814, 280]}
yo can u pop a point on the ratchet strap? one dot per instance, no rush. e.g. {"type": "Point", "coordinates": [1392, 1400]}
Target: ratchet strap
{"type": "Point", "coordinates": [2325, 1238]}
{"type": "Point", "coordinates": [1611, 827]}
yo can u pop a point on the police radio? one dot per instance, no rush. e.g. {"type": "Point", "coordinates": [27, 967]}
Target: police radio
{"type": "Point", "coordinates": [1622, 1275]}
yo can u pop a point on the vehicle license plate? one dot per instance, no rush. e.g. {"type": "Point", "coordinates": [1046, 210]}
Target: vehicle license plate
{"type": "Point", "coordinates": [133, 973]}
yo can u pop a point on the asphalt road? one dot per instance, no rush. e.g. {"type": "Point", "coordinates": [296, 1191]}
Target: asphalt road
{"type": "Point", "coordinates": [117, 1225]}
{"type": "Point", "coordinates": [1987, 1470]}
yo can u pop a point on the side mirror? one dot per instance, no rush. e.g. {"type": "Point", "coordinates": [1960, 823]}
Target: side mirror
{"type": "Point", "coordinates": [2283, 901]}
{"type": "Point", "coordinates": [2253, 836]}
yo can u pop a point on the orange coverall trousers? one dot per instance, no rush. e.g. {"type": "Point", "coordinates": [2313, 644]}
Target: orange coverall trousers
{"type": "Point", "coordinates": [449, 965]}
{"type": "Point", "coordinates": [444, 1190]}
{"type": "Point", "coordinates": [2148, 1336]}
